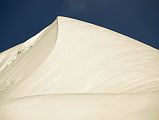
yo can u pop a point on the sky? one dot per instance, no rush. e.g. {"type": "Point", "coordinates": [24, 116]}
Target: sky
{"type": "Point", "coordinates": [22, 19]}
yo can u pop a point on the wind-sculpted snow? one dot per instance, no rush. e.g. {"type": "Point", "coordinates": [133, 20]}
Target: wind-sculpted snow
{"type": "Point", "coordinates": [76, 70]}
{"type": "Point", "coordinates": [82, 107]}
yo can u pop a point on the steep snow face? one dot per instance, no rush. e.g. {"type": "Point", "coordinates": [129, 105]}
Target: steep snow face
{"type": "Point", "coordinates": [74, 70]}
{"type": "Point", "coordinates": [11, 54]}
{"type": "Point", "coordinates": [26, 58]}
{"type": "Point", "coordinates": [72, 56]}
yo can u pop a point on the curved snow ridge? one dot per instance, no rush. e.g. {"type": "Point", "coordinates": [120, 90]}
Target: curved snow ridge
{"type": "Point", "coordinates": [23, 65]}
{"type": "Point", "coordinates": [10, 55]}
{"type": "Point", "coordinates": [79, 71]}
{"type": "Point", "coordinates": [72, 56]}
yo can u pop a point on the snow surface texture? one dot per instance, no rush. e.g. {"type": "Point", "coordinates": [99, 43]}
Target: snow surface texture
{"type": "Point", "coordinates": [73, 70]}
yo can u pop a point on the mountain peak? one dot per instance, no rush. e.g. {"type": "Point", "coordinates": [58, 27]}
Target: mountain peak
{"type": "Point", "coordinates": [72, 56]}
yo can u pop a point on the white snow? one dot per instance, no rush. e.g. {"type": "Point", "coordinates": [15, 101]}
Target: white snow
{"type": "Point", "coordinates": [76, 70]}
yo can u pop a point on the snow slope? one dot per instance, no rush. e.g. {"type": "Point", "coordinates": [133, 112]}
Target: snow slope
{"type": "Point", "coordinates": [76, 70]}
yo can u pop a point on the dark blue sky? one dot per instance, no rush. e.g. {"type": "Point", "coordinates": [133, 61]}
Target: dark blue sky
{"type": "Point", "coordinates": [21, 19]}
